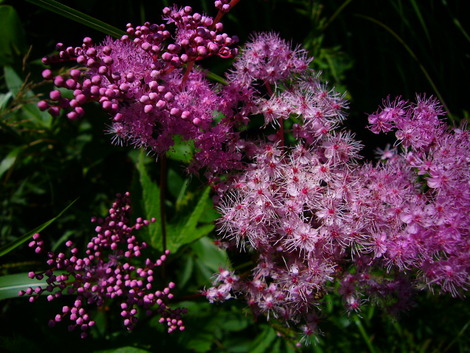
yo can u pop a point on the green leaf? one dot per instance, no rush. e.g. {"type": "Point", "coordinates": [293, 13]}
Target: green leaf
{"type": "Point", "coordinates": [12, 40]}
{"type": "Point", "coordinates": [4, 98]}
{"type": "Point", "coordinates": [13, 81]}
{"type": "Point", "coordinates": [182, 150]}
{"type": "Point", "coordinates": [200, 343]}
{"type": "Point", "coordinates": [9, 160]}
{"type": "Point", "coordinates": [10, 285]}
{"type": "Point", "coordinates": [28, 111]}
{"type": "Point", "coordinates": [186, 230]}
{"type": "Point", "coordinates": [14, 244]}
{"type": "Point", "coordinates": [264, 341]}
{"type": "Point", "coordinates": [127, 349]}
{"type": "Point", "coordinates": [211, 256]}
{"type": "Point", "coordinates": [79, 17]}
{"type": "Point", "coordinates": [151, 202]}
{"type": "Point", "coordinates": [186, 272]}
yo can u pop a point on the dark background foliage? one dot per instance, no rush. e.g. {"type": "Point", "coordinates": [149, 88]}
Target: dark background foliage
{"type": "Point", "coordinates": [367, 49]}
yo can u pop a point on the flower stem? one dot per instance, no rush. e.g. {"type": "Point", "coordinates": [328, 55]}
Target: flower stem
{"type": "Point", "coordinates": [163, 171]}
{"type": "Point", "coordinates": [221, 14]}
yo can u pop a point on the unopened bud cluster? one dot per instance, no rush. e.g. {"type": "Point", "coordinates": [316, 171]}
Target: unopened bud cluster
{"type": "Point", "coordinates": [110, 270]}
{"type": "Point", "coordinates": [146, 79]}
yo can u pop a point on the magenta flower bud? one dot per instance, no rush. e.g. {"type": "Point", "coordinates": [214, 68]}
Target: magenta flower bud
{"type": "Point", "coordinates": [75, 73]}
{"type": "Point", "coordinates": [81, 59]}
{"type": "Point", "coordinates": [54, 111]}
{"type": "Point", "coordinates": [124, 87]}
{"type": "Point", "coordinates": [202, 51]}
{"type": "Point", "coordinates": [87, 41]}
{"type": "Point", "coordinates": [91, 52]}
{"type": "Point", "coordinates": [43, 105]}
{"type": "Point", "coordinates": [47, 74]}
{"type": "Point", "coordinates": [185, 114]}
{"type": "Point", "coordinates": [103, 70]}
{"type": "Point", "coordinates": [106, 105]}
{"type": "Point", "coordinates": [108, 60]}
{"type": "Point", "coordinates": [219, 27]}
{"type": "Point", "coordinates": [59, 81]}
{"type": "Point", "coordinates": [72, 115]}
{"type": "Point", "coordinates": [55, 95]}
{"type": "Point", "coordinates": [167, 56]}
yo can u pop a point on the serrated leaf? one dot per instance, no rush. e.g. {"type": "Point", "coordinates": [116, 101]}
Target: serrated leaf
{"type": "Point", "coordinates": [186, 230]}
{"type": "Point", "coordinates": [14, 244]}
{"type": "Point", "coordinates": [178, 237]}
{"type": "Point", "coordinates": [151, 202]}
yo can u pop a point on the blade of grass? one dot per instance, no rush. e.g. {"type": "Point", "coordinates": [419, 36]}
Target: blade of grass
{"type": "Point", "coordinates": [79, 17]}
{"type": "Point", "coordinates": [412, 54]}
{"type": "Point", "coordinates": [364, 334]}
{"type": "Point", "coordinates": [14, 244]}
{"type": "Point", "coordinates": [337, 12]}
{"type": "Point", "coordinates": [421, 19]}
{"type": "Point", "coordinates": [456, 21]}
{"type": "Point", "coordinates": [464, 328]}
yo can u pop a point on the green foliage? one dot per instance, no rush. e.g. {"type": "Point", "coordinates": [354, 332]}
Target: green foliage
{"type": "Point", "coordinates": [366, 49]}
{"type": "Point", "coordinates": [12, 40]}
{"type": "Point", "coordinates": [185, 226]}
{"type": "Point", "coordinates": [78, 16]}
{"type": "Point", "coordinates": [5, 249]}
{"type": "Point", "coordinates": [10, 285]}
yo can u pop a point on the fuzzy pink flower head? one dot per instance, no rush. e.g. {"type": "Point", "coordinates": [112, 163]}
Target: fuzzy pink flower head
{"type": "Point", "coordinates": [268, 58]}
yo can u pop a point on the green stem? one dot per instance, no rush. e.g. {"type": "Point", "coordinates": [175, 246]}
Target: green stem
{"type": "Point", "coordinates": [364, 335]}
{"type": "Point", "coordinates": [163, 172]}
{"type": "Point", "coordinates": [413, 55]}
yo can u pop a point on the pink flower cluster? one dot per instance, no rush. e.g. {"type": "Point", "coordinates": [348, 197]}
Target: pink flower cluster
{"type": "Point", "coordinates": [296, 198]}
{"type": "Point", "coordinates": [146, 80]}
{"type": "Point", "coordinates": [109, 270]}
{"type": "Point", "coordinates": [312, 215]}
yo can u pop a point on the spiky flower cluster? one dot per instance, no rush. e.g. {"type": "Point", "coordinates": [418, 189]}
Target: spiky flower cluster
{"type": "Point", "coordinates": [428, 188]}
{"type": "Point", "coordinates": [110, 269]}
{"type": "Point", "coordinates": [313, 215]}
